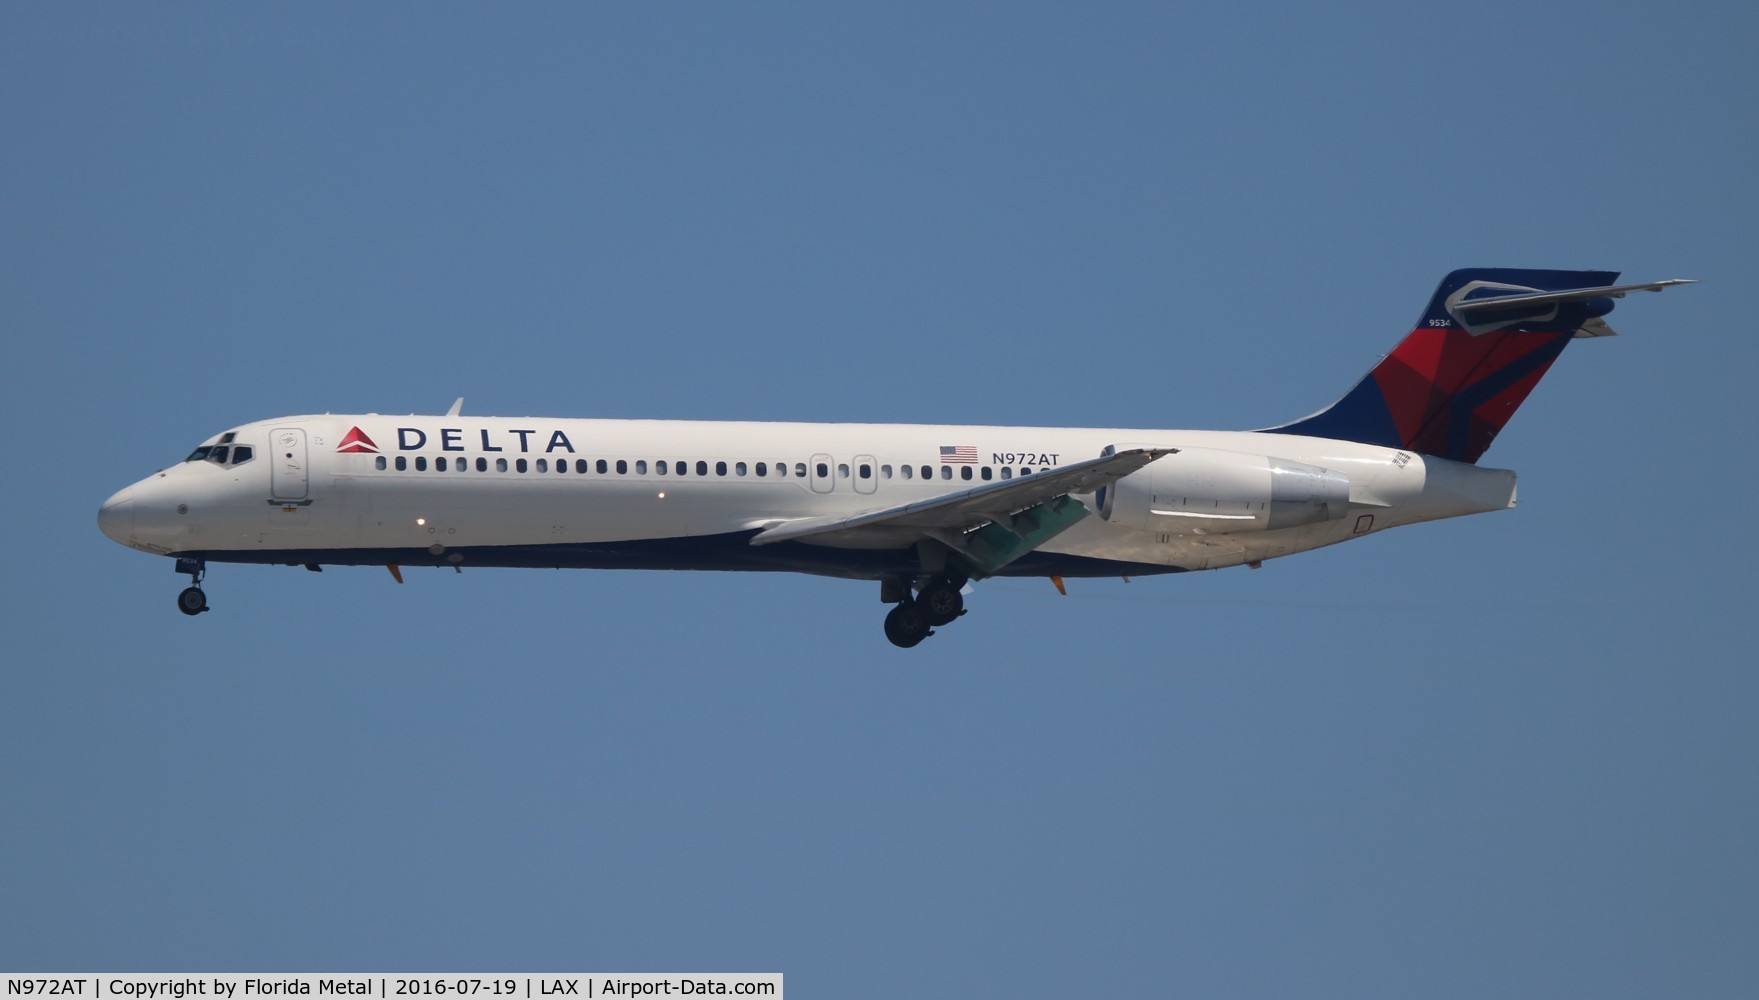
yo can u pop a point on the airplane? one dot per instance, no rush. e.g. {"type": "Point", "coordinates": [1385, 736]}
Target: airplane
{"type": "Point", "coordinates": [923, 509]}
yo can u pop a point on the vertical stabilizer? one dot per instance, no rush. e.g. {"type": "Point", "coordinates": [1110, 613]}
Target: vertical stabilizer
{"type": "Point", "coordinates": [1487, 338]}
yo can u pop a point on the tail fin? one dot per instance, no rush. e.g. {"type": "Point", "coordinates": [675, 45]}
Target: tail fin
{"type": "Point", "coordinates": [1485, 341]}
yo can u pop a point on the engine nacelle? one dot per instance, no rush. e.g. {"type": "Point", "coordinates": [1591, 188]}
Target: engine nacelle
{"type": "Point", "coordinates": [1202, 491]}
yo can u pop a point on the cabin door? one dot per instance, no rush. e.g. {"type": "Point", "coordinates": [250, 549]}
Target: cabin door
{"type": "Point", "coordinates": [288, 479]}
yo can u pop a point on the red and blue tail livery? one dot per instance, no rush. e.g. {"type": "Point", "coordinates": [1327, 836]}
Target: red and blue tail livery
{"type": "Point", "coordinates": [1487, 338]}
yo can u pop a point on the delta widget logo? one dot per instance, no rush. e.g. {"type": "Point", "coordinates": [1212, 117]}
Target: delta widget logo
{"type": "Point", "coordinates": [357, 443]}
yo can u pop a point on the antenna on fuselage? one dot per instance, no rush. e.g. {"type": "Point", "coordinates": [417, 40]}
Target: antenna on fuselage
{"type": "Point", "coordinates": [457, 404]}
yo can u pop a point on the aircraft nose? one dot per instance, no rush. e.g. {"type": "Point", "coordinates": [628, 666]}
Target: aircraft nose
{"type": "Point", "coordinates": [116, 517]}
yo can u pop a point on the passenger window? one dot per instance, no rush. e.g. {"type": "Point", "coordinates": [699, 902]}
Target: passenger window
{"type": "Point", "coordinates": [1026, 472]}
{"type": "Point", "coordinates": [927, 472]}
{"type": "Point", "coordinates": [1007, 473]}
{"type": "Point", "coordinates": [985, 473]}
{"type": "Point", "coordinates": [964, 472]}
{"type": "Point", "coordinates": [739, 469]}
{"type": "Point", "coordinates": [866, 471]}
{"type": "Point", "coordinates": [500, 465]}
{"type": "Point", "coordinates": [800, 469]}
{"type": "Point", "coordinates": [885, 472]}
{"type": "Point", "coordinates": [543, 465]}
{"type": "Point", "coordinates": [720, 468]}
{"type": "Point", "coordinates": [482, 465]}
{"type": "Point", "coordinates": [842, 470]}
{"type": "Point", "coordinates": [762, 470]}
{"type": "Point", "coordinates": [641, 466]}
{"type": "Point", "coordinates": [580, 466]}
{"type": "Point", "coordinates": [520, 464]}
{"type": "Point", "coordinates": [946, 472]}
{"type": "Point", "coordinates": [402, 464]}
{"type": "Point", "coordinates": [379, 463]}
{"type": "Point", "coordinates": [823, 470]}
{"type": "Point", "coordinates": [421, 463]}
{"type": "Point", "coordinates": [660, 467]}
{"type": "Point", "coordinates": [440, 464]}
{"type": "Point", "coordinates": [908, 471]}
{"type": "Point", "coordinates": [602, 467]}
{"type": "Point", "coordinates": [702, 468]}
{"type": "Point", "coordinates": [622, 467]}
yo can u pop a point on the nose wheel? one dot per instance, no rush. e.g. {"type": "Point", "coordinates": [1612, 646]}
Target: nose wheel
{"type": "Point", "coordinates": [192, 601]}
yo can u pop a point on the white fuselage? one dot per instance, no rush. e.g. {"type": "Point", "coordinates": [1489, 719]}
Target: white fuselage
{"type": "Point", "coordinates": [492, 491]}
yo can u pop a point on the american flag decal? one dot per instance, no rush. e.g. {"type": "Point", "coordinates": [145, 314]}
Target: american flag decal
{"type": "Point", "coordinates": [958, 454]}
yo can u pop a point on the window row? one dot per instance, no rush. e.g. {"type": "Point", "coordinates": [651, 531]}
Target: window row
{"type": "Point", "coordinates": [581, 466]}
{"type": "Point", "coordinates": [663, 467]}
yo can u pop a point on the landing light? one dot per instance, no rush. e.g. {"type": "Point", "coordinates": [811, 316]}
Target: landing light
{"type": "Point", "coordinates": [421, 520]}
{"type": "Point", "coordinates": [662, 494]}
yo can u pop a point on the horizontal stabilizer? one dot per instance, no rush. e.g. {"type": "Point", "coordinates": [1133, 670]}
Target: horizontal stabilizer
{"type": "Point", "coordinates": [1467, 309]}
{"type": "Point", "coordinates": [1567, 295]}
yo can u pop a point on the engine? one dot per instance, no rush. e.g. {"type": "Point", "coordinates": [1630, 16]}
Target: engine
{"type": "Point", "coordinates": [1202, 491]}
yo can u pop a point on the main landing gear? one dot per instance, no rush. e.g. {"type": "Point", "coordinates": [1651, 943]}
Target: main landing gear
{"type": "Point", "coordinates": [916, 617]}
{"type": "Point", "coordinates": [192, 601]}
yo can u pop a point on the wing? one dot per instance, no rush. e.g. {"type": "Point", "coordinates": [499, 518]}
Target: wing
{"type": "Point", "coordinates": [989, 525]}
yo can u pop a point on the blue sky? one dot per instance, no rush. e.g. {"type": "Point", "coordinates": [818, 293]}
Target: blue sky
{"type": "Point", "coordinates": [1505, 755]}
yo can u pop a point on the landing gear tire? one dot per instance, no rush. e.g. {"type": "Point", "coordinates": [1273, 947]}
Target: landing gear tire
{"type": "Point", "coordinates": [941, 602]}
{"type": "Point", "coordinates": [907, 624]}
{"type": "Point", "coordinates": [192, 601]}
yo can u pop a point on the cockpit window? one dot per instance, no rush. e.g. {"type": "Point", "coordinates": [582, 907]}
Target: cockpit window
{"type": "Point", "coordinates": [222, 454]}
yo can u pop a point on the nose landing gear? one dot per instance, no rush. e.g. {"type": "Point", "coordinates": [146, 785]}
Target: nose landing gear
{"type": "Point", "coordinates": [192, 601]}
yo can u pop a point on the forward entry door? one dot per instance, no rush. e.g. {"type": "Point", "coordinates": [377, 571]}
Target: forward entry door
{"type": "Point", "coordinates": [288, 479]}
